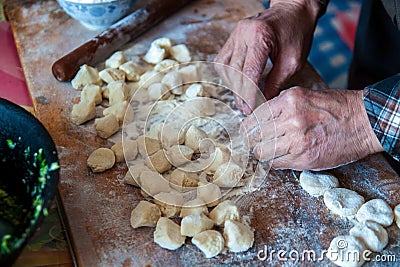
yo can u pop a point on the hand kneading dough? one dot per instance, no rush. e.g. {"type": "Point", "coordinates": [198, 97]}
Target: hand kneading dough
{"type": "Point", "coordinates": [397, 215]}
{"type": "Point", "coordinates": [342, 201]}
{"type": "Point", "coordinates": [226, 210]}
{"type": "Point", "coordinates": [153, 183]}
{"type": "Point", "coordinates": [376, 210]}
{"type": "Point", "coordinates": [195, 223]}
{"type": "Point", "coordinates": [145, 214]}
{"type": "Point", "coordinates": [83, 112]}
{"type": "Point", "coordinates": [210, 242]}
{"type": "Point", "coordinates": [228, 175]}
{"type": "Point", "coordinates": [86, 75]}
{"type": "Point", "coordinates": [170, 203]}
{"type": "Point", "coordinates": [238, 236]}
{"type": "Point", "coordinates": [158, 162]}
{"type": "Point", "coordinates": [316, 184]}
{"type": "Point", "coordinates": [92, 93]}
{"type": "Point", "coordinates": [106, 126]}
{"type": "Point", "coordinates": [126, 150]}
{"type": "Point", "coordinates": [344, 249]}
{"type": "Point", "coordinates": [194, 206]}
{"type": "Point", "coordinates": [168, 234]}
{"type": "Point", "coordinates": [115, 60]}
{"type": "Point", "coordinates": [372, 234]}
{"type": "Point", "coordinates": [101, 159]}
{"type": "Point", "coordinates": [209, 193]}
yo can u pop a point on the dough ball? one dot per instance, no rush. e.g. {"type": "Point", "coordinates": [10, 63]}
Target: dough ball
{"type": "Point", "coordinates": [376, 210]}
{"type": "Point", "coordinates": [195, 223]}
{"type": "Point", "coordinates": [210, 242]}
{"type": "Point", "coordinates": [317, 183]}
{"type": "Point", "coordinates": [110, 75]}
{"type": "Point", "coordinates": [125, 150]}
{"type": "Point", "coordinates": [170, 203]}
{"type": "Point", "coordinates": [397, 215]}
{"type": "Point", "coordinates": [226, 210]}
{"type": "Point", "coordinates": [179, 155]}
{"type": "Point", "coordinates": [153, 183]}
{"type": "Point", "coordinates": [86, 75]}
{"type": "Point", "coordinates": [180, 53]}
{"type": "Point", "coordinates": [342, 201]}
{"type": "Point", "coordinates": [194, 206]}
{"type": "Point", "coordinates": [228, 175]}
{"type": "Point", "coordinates": [83, 112]}
{"type": "Point", "coordinates": [115, 60]}
{"type": "Point", "coordinates": [238, 236]}
{"type": "Point", "coordinates": [167, 65]}
{"type": "Point", "coordinates": [168, 234]}
{"type": "Point", "coordinates": [106, 126]}
{"type": "Point", "coordinates": [147, 146]}
{"type": "Point", "coordinates": [209, 193]}
{"type": "Point", "coordinates": [183, 181]}
{"type": "Point", "coordinates": [372, 234]}
{"type": "Point", "coordinates": [145, 214]}
{"type": "Point", "coordinates": [101, 160]}
{"type": "Point", "coordinates": [132, 70]}
{"type": "Point", "coordinates": [158, 162]}
{"type": "Point", "coordinates": [193, 137]}
{"type": "Point", "coordinates": [344, 249]}
{"type": "Point", "coordinates": [92, 93]}
{"type": "Point", "coordinates": [173, 80]}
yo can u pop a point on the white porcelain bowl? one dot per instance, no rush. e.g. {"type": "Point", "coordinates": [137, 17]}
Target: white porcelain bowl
{"type": "Point", "coordinates": [96, 14]}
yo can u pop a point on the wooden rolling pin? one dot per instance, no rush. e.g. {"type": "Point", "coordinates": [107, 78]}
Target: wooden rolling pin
{"type": "Point", "coordinates": [103, 45]}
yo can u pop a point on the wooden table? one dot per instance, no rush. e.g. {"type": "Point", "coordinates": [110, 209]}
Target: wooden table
{"type": "Point", "coordinates": [97, 207]}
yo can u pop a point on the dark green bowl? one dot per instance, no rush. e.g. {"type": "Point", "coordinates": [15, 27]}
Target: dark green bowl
{"type": "Point", "coordinates": [29, 174]}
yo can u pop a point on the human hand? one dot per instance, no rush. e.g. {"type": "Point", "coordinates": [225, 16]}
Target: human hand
{"type": "Point", "coordinates": [282, 33]}
{"type": "Point", "coordinates": [303, 129]}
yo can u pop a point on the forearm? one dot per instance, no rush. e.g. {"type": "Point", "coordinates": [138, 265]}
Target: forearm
{"type": "Point", "coordinates": [316, 8]}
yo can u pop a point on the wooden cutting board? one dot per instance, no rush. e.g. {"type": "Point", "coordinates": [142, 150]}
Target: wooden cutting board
{"type": "Point", "coordinates": [97, 207]}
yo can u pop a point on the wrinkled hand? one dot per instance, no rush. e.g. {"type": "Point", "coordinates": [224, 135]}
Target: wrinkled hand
{"type": "Point", "coordinates": [282, 33]}
{"type": "Point", "coordinates": [303, 129]}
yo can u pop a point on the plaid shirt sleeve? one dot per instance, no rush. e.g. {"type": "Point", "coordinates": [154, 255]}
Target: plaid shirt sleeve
{"type": "Point", "coordinates": [382, 103]}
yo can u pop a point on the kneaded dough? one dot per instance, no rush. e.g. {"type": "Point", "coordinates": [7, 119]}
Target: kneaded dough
{"type": "Point", "coordinates": [343, 251]}
{"type": "Point", "coordinates": [126, 150]}
{"type": "Point", "coordinates": [372, 234]}
{"type": "Point", "coordinates": [189, 74]}
{"type": "Point", "coordinates": [110, 75]}
{"type": "Point", "coordinates": [183, 181]}
{"type": "Point", "coordinates": [397, 215]}
{"type": "Point", "coordinates": [158, 162]}
{"type": "Point", "coordinates": [92, 93]}
{"type": "Point", "coordinates": [155, 54]}
{"type": "Point", "coordinates": [106, 126]}
{"type": "Point", "coordinates": [238, 236]}
{"type": "Point", "coordinates": [170, 203]}
{"type": "Point", "coordinates": [86, 75]}
{"type": "Point", "coordinates": [194, 206]}
{"type": "Point", "coordinates": [167, 65]}
{"type": "Point", "coordinates": [342, 201]}
{"type": "Point", "coordinates": [83, 112]}
{"type": "Point", "coordinates": [120, 110]}
{"type": "Point", "coordinates": [101, 160]}
{"type": "Point", "coordinates": [376, 210]}
{"type": "Point", "coordinates": [195, 223]}
{"type": "Point", "coordinates": [158, 91]}
{"type": "Point", "coordinates": [193, 137]}
{"type": "Point", "coordinates": [145, 214]}
{"type": "Point", "coordinates": [117, 92]}
{"type": "Point", "coordinates": [132, 176]}
{"type": "Point", "coordinates": [220, 156]}
{"type": "Point", "coordinates": [179, 155]}
{"type": "Point", "coordinates": [173, 80]}
{"type": "Point", "coordinates": [317, 183]}
{"type": "Point", "coordinates": [228, 175]}
{"type": "Point", "coordinates": [153, 183]}
{"type": "Point", "coordinates": [132, 70]}
{"type": "Point", "coordinates": [226, 210]}
{"type": "Point", "coordinates": [209, 193]}
{"type": "Point", "coordinates": [210, 242]}
{"type": "Point", "coordinates": [168, 234]}
{"type": "Point", "coordinates": [180, 53]}
{"type": "Point", "coordinates": [115, 60]}
{"type": "Point", "coordinates": [147, 146]}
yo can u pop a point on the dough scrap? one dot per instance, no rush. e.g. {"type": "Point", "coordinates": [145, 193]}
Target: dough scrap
{"type": "Point", "coordinates": [155, 54]}
{"type": "Point", "coordinates": [148, 146]}
{"type": "Point", "coordinates": [228, 175]}
{"type": "Point", "coordinates": [210, 242]}
{"type": "Point", "coordinates": [167, 65]}
{"type": "Point", "coordinates": [376, 210]}
{"type": "Point", "coordinates": [194, 90]}
{"type": "Point", "coordinates": [153, 183]}
{"type": "Point", "coordinates": [194, 206]}
{"type": "Point", "coordinates": [101, 160]}
{"type": "Point", "coordinates": [342, 201]}
{"type": "Point", "coordinates": [115, 60]}
{"type": "Point", "coordinates": [158, 162]}
{"type": "Point", "coordinates": [83, 112]}
{"type": "Point", "coordinates": [158, 91]}
{"type": "Point", "coordinates": [180, 53]}
{"type": "Point", "coordinates": [86, 75]}
{"type": "Point", "coordinates": [92, 93]}
{"type": "Point", "coordinates": [170, 203]}
{"type": "Point", "coordinates": [132, 70]}
{"type": "Point", "coordinates": [168, 234]}
{"type": "Point", "coordinates": [343, 251]}
{"type": "Point", "coordinates": [173, 80]}
{"type": "Point", "coordinates": [106, 126]}
{"type": "Point", "coordinates": [317, 183]}
{"type": "Point", "coordinates": [172, 134]}
{"type": "Point", "coordinates": [220, 156]}
{"type": "Point", "coordinates": [209, 193]}
{"type": "Point", "coordinates": [226, 210]}
{"type": "Point", "coordinates": [145, 214]}
{"type": "Point", "coordinates": [118, 92]}
{"type": "Point", "coordinates": [121, 110]}
{"type": "Point", "coordinates": [132, 176]}
{"type": "Point", "coordinates": [110, 75]}
{"type": "Point", "coordinates": [195, 223]}
{"type": "Point", "coordinates": [372, 234]}
{"type": "Point", "coordinates": [179, 155]}
{"type": "Point", "coordinates": [193, 137]}
{"type": "Point", "coordinates": [148, 78]}
{"type": "Point", "coordinates": [126, 150]}
{"type": "Point", "coordinates": [238, 236]}
{"type": "Point", "coordinates": [189, 74]}
{"type": "Point", "coordinates": [397, 215]}
{"type": "Point", "coordinates": [183, 181]}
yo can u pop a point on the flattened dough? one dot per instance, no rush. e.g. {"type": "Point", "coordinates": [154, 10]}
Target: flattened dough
{"type": "Point", "coordinates": [238, 236]}
{"type": "Point", "coordinates": [316, 183]}
{"type": "Point", "coordinates": [342, 249]}
{"type": "Point", "coordinates": [372, 234]}
{"type": "Point", "coordinates": [376, 210]}
{"type": "Point", "coordinates": [342, 201]}
{"type": "Point", "coordinates": [210, 242]}
{"type": "Point", "coordinates": [168, 234]}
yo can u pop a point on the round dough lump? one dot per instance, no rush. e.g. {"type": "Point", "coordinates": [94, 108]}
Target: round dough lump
{"type": "Point", "coordinates": [376, 210]}
{"type": "Point", "coordinates": [342, 201]}
{"type": "Point", "coordinates": [346, 251]}
{"type": "Point", "coordinates": [316, 184]}
{"type": "Point", "coordinates": [372, 234]}
{"type": "Point", "coordinates": [101, 159]}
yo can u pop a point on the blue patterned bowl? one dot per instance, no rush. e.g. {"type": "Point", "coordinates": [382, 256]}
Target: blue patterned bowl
{"type": "Point", "coordinates": [96, 14]}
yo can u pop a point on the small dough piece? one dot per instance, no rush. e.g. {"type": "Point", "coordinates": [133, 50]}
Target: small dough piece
{"type": "Point", "coordinates": [170, 203]}
{"type": "Point", "coordinates": [210, 242]}
{"type": "Point", "coordinates": [92, 93]}
{"type": "Point", "coordinates": [220, 156]}
{"type": "Point", "coordinates": [189, 74]}
{"type": "Point", "coordinates": [173, 80]}
{"type": "Point", "coordinates": [228, 175]}
{"type": "Point", "coordinates": [132, 176]}
{"type": "Point", "coordinates": [183, 181]}
{"type": "Point", "coordinates": [172, 134]}
{"type": "Point", "coordinates": [199, 106]}
{"type": "Point", "coordinates": [158, 91]}
{"type": "Point", "coordinates": [154, 131]}
{"type": "Point", "coordinates": [86, 75]}
{"type": "Point", "coordinates": [101, 160]}
{"type": "Point", "coordinates": [145, 214]}
{"type": "Point", "coordinates": [105, 92]}
{"type": "Point", "coordinates": [194, 90]}
{"type": "Point", "coordinates": [83, 112]}
{"type": "Point", "coordinates": [372, 234]}
{"type": "Point", "coordinates": [194, 206]}
{"type": "Point", "coordinates": [153, 183]}
{"type": "Point", "coordinates": [179, 155]}
{"type": "Point", "coordinates": [120, 110]}
{"type": "Point", "coordinates": [342, 201]}
{"type": "Point", "coordinates": [168, 234]}
{"type": "Point", "coordinates": [148, 78]}
{"type": "Point", "coordinates": [106, 126]}
{"type": "Point", "coordinates": [125, 150]}
{"type": "Point", "coordinates": [343, 251]}
{"type": "Point", "coordinates": [163, 42]}
{"type": "Point", "coordinates": [226, 210]}
{"type": "Point", "coordinates": [193, 137]}
{"type": "Point", "coordinates": [209, 193]}
{"type": "Point", "coordinates": [317, 183]}
{"type": "Point", "coordinates": [397, 215]}
{"type": "Point", "coordinates": [376, 210]}
{"type": "Point", "coordinates": [155, 54]}
{"type": "Point", "coordinates": [115, 60]}
{"type": "Point", "coordinates": [118, 92]}
{"type": "Point", "coordinates": [180, 53]}
{"type": "Point", "coordinates": [238, 236]}
{"type": "Point", "coordinates": [110, 75]}
{"type": "Point", "coordinates": [132, 70]}
{"type": "Point", "coordinates": [167, 65]}
{"type": "Point", "coordinates": [195, 223]}
{"type": "Point", "coordinates": [158, 162]}
{"type": "Point", "coordinates": [147, 146]}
